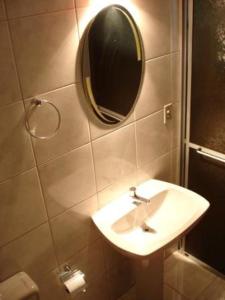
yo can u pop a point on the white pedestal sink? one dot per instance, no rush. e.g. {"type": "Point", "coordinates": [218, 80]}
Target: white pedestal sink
{"type": "Point", "coordinates": [142, 230]}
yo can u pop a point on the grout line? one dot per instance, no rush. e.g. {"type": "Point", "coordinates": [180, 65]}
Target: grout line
{"type": "Point", "coordinates": [116, 181]}
{"type": "Point", "coordinates": [51, 160]}
{"type": "Point", "coordinates": [31, 141]}
{"type": "Point", "coordinates": [136, 149]}
{"type": "Point", "coordinates": [154, 160]}
{"type": "Point", "coordinates": [45, 204]}
{"type": "Point", "coordinates": [16, 175]}
{"type": "Point", "coordinates": [205, 288]}
{"type": "Point", "coordinates": [161, 56]}
{"type": "Point", "coordinates": [11, 103]}
{"type": "Point", "coordinates": [52, 91]}
{"type": "Point", "coordinates": [4, 11]}
{"type": "Point", "coordinates": [151, 114]}
{"type": "Point", "coordinates": [69, 208]}
{"type": "Point", "coordinates": [41, 94]}
{"type": "Point", "coordinates": [77, 20]}
{"type": "Point", "coordinates": [20, 83]}
{"type": "Point", "coordinates": [14, 58]}
{"type": "Point", "coordinates": [190, 261]}
{"type": "Point", "coordinates": [23, 234]}
{"type": "Point", "coordinates": [39, 14]}
{"type": "Point", "coordinates": [47, 213]}
{"type": "Point", "coordinates": [115, 129]}
{"type": "Point", "coordinates": [109, 129]}
{"type": "Point", "coordinates": [176, 291]}
{"type": "Point", "coordinates": [93, 163]}
{"type": "Point", "coordinates": [77, 253]}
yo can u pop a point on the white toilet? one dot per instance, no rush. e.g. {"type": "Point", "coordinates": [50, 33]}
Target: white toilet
{"type": "Point", "coordinates": [19, 287]}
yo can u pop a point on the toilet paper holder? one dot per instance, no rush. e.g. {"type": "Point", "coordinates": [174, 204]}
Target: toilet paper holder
{"type": "Point", "coordinates": [68, 273]}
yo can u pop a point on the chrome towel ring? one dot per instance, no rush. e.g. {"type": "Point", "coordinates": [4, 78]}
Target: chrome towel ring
{"type": "Point", "coordinates": [38, 102]}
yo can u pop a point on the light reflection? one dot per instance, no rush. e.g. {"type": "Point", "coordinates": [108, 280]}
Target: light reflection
{"type": "Point", "coordinates": [93, 7]}
{"type": "Point", "coordinates": [219, 7]}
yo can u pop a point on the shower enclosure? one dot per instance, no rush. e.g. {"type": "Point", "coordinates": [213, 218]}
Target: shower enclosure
{"type": "Point", "coordinates": [204, 133]}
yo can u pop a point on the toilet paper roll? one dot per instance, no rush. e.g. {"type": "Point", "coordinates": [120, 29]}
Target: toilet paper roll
{"type": "Point", "coordinates": [76, 283]}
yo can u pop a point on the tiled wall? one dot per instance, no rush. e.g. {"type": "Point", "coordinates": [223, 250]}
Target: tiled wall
{"type": "Point", "coordinates": [49, 188]}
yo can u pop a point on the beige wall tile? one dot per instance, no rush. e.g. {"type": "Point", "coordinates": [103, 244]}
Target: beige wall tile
{"type": "Point", "coordinates": [176, 24]}
{"type": "Point", "coordinates": [98, 129]}
{"type": "Point", "coordinates": [155, 25]}
{"type": "Point", "coordinates": [216, 290]}
{"type": "Point", "coordinates": [21, 206]}
{"type": "Point", "coordinates": [116, 189]}
{"type": "Point", "coordinates": [74, 229]}
{"type": "Point", "coordinates": [74, 130]}
{"type": "Point", "coordinates": [186, 277]}
{"type": "Point", "coordinates": [9, 85]}
{"type": "Point", "coordinates": [68, 180]}
{"type": "Point", "coordinates": [22, 8]}
{"type": "Point", "coordinates": [90, 261]}
{"type": "Point", "coordinates": [160, 168]}
{"type": "Point", "coordinates": [152, 17]}
{"type": "Point", "coordinates": [114, 156]}
{"type": "Point", "coordinates": [84, 17]}
{"type": "Point", "coordinates": [176, 69]}
{"type": "Point", "coordinates": [32, 253]}
{"type": "Point", "coordinates": [2, 11]}
{"type": "Point", "coordinates": [83, 3]}
{"type": "Point", "coordinates": [175, 174]}
{"type": "Point", "coordinates": [157, 89]}
{"type": "Point", "coordinates": [45, 48]}
{"type": "Point", "coordinates": [176, 124]}
{"type": "Point", "coordinates": [153, 138]}
{"type": "Point", "coordinates": [88, 9]}
{"type": "Point", "coordinates": [16, 153]}
{"type": "Point", "coordinates": [170, 294]}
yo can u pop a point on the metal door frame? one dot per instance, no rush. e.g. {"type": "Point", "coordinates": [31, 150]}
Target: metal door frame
{"type": "Point", "coordinates": [186, 84]}
{"type": "Point", "coordinates": [186, 114]}
{"type": "Point", "coordinates": [186, 95]}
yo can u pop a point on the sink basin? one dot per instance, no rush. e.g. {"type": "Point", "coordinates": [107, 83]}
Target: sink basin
{"type": "Point", "coordinates": [140, 229]}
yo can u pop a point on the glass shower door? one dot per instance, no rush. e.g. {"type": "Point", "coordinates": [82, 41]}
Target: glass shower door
{"type": "Point", "coordinates": [206, 142]}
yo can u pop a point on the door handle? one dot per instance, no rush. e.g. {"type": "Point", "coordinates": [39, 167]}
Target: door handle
{"type": "Point", "coordinates": [214, 157]}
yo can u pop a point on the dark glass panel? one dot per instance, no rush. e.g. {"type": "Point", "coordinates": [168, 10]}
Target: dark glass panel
{"type": "Point", "coordinates": [207, 240]}
{"type": "Point", "coordinates": [208, 75]}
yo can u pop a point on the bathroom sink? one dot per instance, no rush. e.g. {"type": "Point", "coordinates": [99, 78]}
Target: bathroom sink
{"type": "Point", "coordinates": [138, 228]}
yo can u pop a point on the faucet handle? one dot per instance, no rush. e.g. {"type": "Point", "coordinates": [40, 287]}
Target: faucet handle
{"type": "Point", "coordinates": [132, 191]}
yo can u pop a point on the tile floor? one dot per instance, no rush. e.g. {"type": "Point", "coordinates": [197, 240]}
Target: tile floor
{"type": "Point", "coordinates": [185, 280]}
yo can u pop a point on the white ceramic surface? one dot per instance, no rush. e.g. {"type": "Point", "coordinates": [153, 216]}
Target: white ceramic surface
{"type": "Point", "coordinates": [170, 214]}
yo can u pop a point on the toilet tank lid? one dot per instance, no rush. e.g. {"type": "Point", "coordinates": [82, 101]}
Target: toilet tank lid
{"type": "Point", "coordinates": [19, 286]}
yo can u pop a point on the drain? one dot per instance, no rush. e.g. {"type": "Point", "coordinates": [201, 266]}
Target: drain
{"type": "Point", "coordinates": [147, 228]}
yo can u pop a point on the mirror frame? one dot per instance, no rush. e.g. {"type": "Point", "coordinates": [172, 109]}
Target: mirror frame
{"type": "Point", "coordinates": [85, 68]}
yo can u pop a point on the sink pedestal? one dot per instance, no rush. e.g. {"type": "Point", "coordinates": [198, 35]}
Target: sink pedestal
{"type": "Point", "coordinates": [149, 277]}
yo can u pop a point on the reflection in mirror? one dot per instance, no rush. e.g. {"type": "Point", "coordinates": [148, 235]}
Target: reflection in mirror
{"type": "Point", "coordinates": [112, 64]}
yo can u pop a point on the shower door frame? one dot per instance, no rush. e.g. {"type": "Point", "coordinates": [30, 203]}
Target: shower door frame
{"type": "Point", "coordinates": [186, 113]}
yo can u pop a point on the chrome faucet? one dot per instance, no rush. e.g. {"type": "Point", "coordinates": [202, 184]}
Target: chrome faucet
{"type": "Point", "coordinates": [136, 197]}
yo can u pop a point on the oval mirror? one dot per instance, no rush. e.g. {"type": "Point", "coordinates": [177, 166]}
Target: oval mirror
{"type": "Point", "coordinates": [112, 64]}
